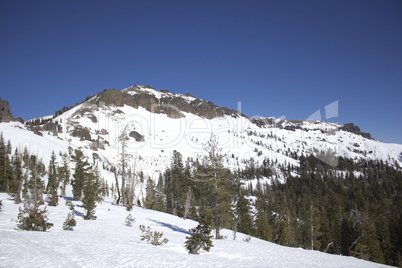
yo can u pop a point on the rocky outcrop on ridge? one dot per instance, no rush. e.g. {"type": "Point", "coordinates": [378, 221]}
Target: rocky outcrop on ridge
{"type": "Point", "coordinates": [5, 113]}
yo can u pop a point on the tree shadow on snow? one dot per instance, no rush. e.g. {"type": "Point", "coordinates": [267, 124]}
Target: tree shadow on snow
{"type": "Point", "coordinates": [68, 198]}
{"type": "Point", "coordinates": [172, 227]}
{"type": "Point", "coordinates": [77, 213]}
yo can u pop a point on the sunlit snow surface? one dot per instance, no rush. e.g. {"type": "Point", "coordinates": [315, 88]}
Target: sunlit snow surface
{"type": "Point", "coordinates": [107, 242]}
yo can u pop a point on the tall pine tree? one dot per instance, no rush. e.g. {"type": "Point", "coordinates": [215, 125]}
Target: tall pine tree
{"type": "Point", "coordinates": [53, 183]}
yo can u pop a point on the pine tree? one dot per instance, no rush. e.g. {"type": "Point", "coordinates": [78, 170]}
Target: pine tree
{"type": "Point", "coordinates": [160, 203]}
{"type": "Point", "coordinates": [217, 186]}
{"type": "Point", "coordinates": [150, 199]}
{"type": "Point", "coordinates": [5, 167]}
{"type": "Point", "coordinates": [243, 217]}
{"type": "Point", "coordinates": [35, 184]}
{"type": "Point", "coordinates": [200, 237]}
{"type": "Point", "coordinates": [32, 218]}
{"type": "Point", "coordinates": [81, 171]}
{"type": "Point", "coordinates": [175, 185]}
{"type": "Point", "coordinates": [18, 176]}
{"type": "Point", "coordinates": [52, 184]}
{"type": "Point", "coordinates": [90, 191]}
{"type": "Point", "coordinates": [70, 222]}
{"type": "Point", "coordinates": [263, 215]}
{"type": "Point", "coordinates": [64, 173]}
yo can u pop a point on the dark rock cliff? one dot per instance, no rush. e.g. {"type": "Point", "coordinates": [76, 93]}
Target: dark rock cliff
{"type": "Point", "coordinates": [5, 113]}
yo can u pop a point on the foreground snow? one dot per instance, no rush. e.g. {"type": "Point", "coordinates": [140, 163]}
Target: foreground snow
{"type": "Point", "coordinates": [107, 242]}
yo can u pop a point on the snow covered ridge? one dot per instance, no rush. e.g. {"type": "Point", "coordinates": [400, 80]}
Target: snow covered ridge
{"type": "Point", "coordinates": [108, 242]}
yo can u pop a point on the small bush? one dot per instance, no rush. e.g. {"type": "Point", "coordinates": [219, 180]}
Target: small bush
{"type": "Point", "coordinates": [1, 206]}
{"type": "Point", "coordinates": [70, 222]}
{"type": "Point", "coordinates": [152, 237]}
{"type": "Point", "coordinates": [129, 220]}
{"type": "Point", "coordinates": [70, 205]}
{"type": "Point", "coordinates": [247, 238]}
{"type": "Point", "coordinates": [32, 218]}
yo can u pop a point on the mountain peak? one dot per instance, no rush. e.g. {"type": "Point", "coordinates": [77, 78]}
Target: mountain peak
{"type": "Point", "coordinates": [174, 105]}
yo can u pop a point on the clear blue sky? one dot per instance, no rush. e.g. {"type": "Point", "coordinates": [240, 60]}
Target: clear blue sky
{"type": "Point", "coordinates": [279, 58]}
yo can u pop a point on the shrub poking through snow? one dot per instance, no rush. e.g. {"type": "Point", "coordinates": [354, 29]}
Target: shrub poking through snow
{"type": "Point", "coordinates": [130, 220]}
{"type": "Point", "coordinates": [152, 237]}
{"type": "Point", "coordinates": [70, 205]}
{"type": "Point", "coordinates": [70, 222]}
{"type": "Point", "coordinates": [247, 238]}
{"type": "Point", "coordinates": [32, 218]}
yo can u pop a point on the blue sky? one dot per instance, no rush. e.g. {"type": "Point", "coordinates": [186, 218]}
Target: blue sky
{"type": "Point", "coordinates": [279, 58]}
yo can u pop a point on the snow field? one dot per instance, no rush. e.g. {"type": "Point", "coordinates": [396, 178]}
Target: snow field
{"type": "Point", "coordinates": [107, 242]}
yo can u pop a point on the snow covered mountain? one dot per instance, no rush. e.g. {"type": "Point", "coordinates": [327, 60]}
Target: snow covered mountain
{"type": "Point", "coordinates": [155, 123]}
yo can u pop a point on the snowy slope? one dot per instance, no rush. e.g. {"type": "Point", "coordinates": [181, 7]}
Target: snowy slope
{"type": "Point", "coordinates": [107, 242]}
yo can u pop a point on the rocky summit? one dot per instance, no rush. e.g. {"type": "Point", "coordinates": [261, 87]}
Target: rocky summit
{"type": "Point", "coordinates": [5, 112]}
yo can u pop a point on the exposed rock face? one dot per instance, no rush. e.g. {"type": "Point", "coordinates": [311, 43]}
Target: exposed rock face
{"type": "Point", "coordinates": [81, 133]}
{"type": "Point", "coordinates": [137, 136]}
{"type": "Point", "coordinates": [297, 124]}
{"type": "Point", "coordinates": [350, 127]}
{"type": "Point", "coordinates": [5, 113]}
{"type": "Point", "coordinates": [173, 105]}
{"type": "Point", "coordinates": [261, 122]}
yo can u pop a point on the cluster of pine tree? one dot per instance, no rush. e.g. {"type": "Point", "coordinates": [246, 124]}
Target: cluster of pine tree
{"type": "Point", "coordinates": [353, 209]}
{"type": "Point", "coordinates": [186, 190]}
{"type": "Point", "coordinates": [23, 177]}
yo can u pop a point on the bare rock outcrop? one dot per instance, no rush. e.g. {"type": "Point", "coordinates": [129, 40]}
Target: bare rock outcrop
{"type": "Point", "coordinates": [5, 113]}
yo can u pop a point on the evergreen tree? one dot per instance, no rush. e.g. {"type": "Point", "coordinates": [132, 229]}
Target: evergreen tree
{"type": "Point", "coordinates": [64, 173]}
{"type": "Point", "coordinates": [17, 176]}
{"type": "Point", "coordinates": [263, 217]}
{"type": "Point", "coordinates": [217, 185]}
{"type": "Point", "coordinates": [52, 184]}
{"type": "Point", "coordinates": [5, 167]}
{"type": "Point", "coordinates": [200, 237]}
{"type": "Point", "coordinates": [348, 236]}
{"type": "Point", "coordinates": [82, 169]}
{"type": "Point", "coordinates": [244, 222]}
{"type": "Point", "coordinates": [160, 203]}
{"type": "Point", "coordinates": [150, 199]}
{"type": "Point", "coordinates": [175, 185]}
{"type": "Point", "coordinates": [32, 218]}
{"type": "Point", "coordinates": [90, 192]}
{"type": "Point", "coordinates": [35, 184]}
{"type": "Point", "coordinates": [70, 222]}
